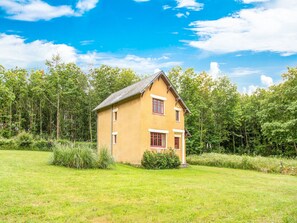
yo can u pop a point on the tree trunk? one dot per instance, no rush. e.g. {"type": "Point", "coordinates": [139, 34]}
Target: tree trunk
{"type": "Point", "coordinates": [40, 118]}
{"type": "Point", "coordinates": [10, 119]}
{"type": "Point", "coordinates": [90, 126]}
{"type": "Point", "coordinates": [233, 138]}
{"type": "Point", "coordinates": [58, 116]}
{"type": "Point", "coordinates": [295, 146]}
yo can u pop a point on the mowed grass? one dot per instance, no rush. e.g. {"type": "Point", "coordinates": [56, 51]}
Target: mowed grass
{"type": "Point", "coordinates": [33, 191]}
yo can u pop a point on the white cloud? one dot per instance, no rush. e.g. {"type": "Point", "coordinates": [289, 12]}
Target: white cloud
{"type": "Point", "coordinates": [214, 70]}
{"type": "Point", "coordinates": [189, 4]}
{"type": "Point", "coordinates": [243, 71]}
{"type": "Point", "coordinates": [86, 42]}
{"type": "Point", "coordinates": [266, 80]}
{"type": "Point", "coordinates": [250, 90]}
{"type": "Point", "coordinates": [15, 51]}
{"type": "Point", "coordinates": [86, 5]}
{"type": "Point", "coordinates": [253, 1]}
{"type": "Point", "coordinates": [165, 7]}
{"type": "Point", "coordinates": [34, 10]}
{"type": "Point", "coordinates": [270, 26]}
{"type": "Point", "coordinates": [180, 15]}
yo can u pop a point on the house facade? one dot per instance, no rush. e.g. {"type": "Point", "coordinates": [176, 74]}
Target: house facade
{"type": "Point", "coordinates": [148, 115]}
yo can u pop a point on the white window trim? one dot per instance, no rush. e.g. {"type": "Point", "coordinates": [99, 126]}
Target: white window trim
{"type": "Point", "coordinates": [158, 97]}
{"type": "Point", "coordinates": [113, 114]}
{"type": "Point", "coordinates": [177, 109]}
{"type": "Point", "coordinates": [179, 130]}
{"type": "Point", "coordinates": [158, 131]}
{"type": "Point", "coordinates": [179, 136]}
{"type": "Point", "coordinates": [113, 137]}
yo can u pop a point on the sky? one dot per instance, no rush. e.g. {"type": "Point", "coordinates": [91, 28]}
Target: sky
{"type": "Point", "coordinates": [251, 41]}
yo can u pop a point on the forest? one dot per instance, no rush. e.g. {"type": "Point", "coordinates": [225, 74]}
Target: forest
{"type": "Point", "coordinates": [58, 102]}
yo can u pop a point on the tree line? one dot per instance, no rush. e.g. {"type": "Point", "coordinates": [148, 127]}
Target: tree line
{"type": "Point", "coordinates": [58, 103]}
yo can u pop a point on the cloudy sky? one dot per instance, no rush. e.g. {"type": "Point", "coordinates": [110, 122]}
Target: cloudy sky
{"type": "Point", "coordinates": [251, 41]}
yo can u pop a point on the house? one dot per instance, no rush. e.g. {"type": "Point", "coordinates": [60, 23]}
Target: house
{"type": "Point", "coordinates": [148, 115]}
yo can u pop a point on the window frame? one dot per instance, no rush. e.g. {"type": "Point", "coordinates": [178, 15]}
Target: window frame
{"type": "Point", "coordinates": [155, 137]}
{"type": "Point", "coordinates": [158, 106]}
{"type": "Point", "coordinates": [178, 138]}
{"type": "Point", "coordinates": [177, 115]}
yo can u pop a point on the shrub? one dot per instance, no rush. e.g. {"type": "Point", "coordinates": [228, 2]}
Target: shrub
{"type": "Point", "coordinates": [7, 143]}
{"type": "Point", "coordinates": [81, 157]}
{"type": "Point", "coordinates": [43, 145]}
{"type": "Point", "coordinates": [24, 140]}
{"type": "Point", "coordinates": [74, 157]}
{"type": "Point", "coordinates": [258, 163]}
{"type": "Point", "coordinates": [105, 159]}
{"type": "Point", "coordinates": [165, 160]}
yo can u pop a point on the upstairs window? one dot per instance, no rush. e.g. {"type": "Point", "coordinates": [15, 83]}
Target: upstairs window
{"type": "Point", "coordinates": [177, 115]}
{"type": "Point", "coordinates": [158, 106]}
{"type": "Point", "coordinates": [158, 139]}
{"type": "Point", "coordinates": [115, 116]}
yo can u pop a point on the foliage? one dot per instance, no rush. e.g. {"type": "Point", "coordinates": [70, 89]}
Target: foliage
{"type": "Point", "coordinates": [105, 160]}
{"type": "Point", "coordinates": [31, 191]}
{"type": "Point", "coordinates": [164, 160]}
{"type": "Point", "coordinates": [258, 163]}
{"type": "Point", "coordinates": [81, 157]}
{"type": "Point", "coordinates": [24, 140]}
{"type": "Point", "coordinates": [74, 157]}
{"type": "Point", "coordinates": [57, 104]}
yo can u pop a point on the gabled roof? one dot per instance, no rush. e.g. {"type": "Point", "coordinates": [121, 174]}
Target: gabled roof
{"type": "Point", "coordinates": [137, 89]}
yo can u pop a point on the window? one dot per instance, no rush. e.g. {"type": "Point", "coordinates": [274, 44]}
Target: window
{"type": "Point", "coordinates": [158, 106]}
{"type": "Point", "coordinates": [176, 142]}
{"type": "Point", "coordinates": [115, 117]}
{"type": "Point", "coordinates": [177, 115]}
{"type": "Point", "coordinates": [115, 138]}
{"type": "Point", "coordinates": [158, 139]}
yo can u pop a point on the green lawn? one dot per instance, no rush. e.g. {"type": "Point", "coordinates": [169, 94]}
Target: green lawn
{"type": "Point", "coordinates": [33, 191]}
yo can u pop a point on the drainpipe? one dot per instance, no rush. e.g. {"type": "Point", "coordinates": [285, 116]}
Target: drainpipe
{"type": "Point", "coordinates": [111, 130]}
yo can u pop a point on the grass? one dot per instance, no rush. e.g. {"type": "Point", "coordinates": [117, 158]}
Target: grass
{"type": "Point", "coordinates": [258, 163]}
{"type": "Point", "coordinates": [33, 191]}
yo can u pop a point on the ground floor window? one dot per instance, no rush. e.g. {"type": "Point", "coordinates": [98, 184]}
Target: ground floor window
{"type": "Point", "coordinates": [176, 142]}
{"type": "Point", "coordinates": [115, 139]}
{"type": "Point", "coordinates": [158, 139]}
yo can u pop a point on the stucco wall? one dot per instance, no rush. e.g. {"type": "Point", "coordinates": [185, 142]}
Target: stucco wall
{"type": "Point", "coordinates": [134, 119]}
{"type": "Point", "coordinates": [127, 127]}
{"type": "Point", "coordinates": [160, 122]}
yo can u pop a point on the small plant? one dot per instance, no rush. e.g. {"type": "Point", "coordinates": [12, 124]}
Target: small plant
{"type": "Point", "coordinates": [74, 157]}
{"type": "Point", "coordinates": [24, 140]}
{"type": "Point", "coordinates": [105, 159]}
{"type": "Point", "coordinates": [165, 160]}
{"type": "Point", "coordinates": [81, 157]}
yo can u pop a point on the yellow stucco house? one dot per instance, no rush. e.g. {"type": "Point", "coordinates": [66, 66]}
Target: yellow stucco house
{"type": "Point", "coordinates": [148, 115]}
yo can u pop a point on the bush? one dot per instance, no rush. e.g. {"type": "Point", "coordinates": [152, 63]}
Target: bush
{"type": "Point", "coordinates": [105, 159]}
{"type": "Point", "coordinates": [258, 163]}
{"type": "Point", "coordinates": [74, 157]}
{"type": "Point", "coordinates": [82, 157]}
{"type": "Point", "coordinates": [165, 160]}
{"type": "Point", "coordinates": [24, 140]}
{"type": "Point", "coordinates": [7, 143]}
{"type": "Point", "coordinates": [43, 145]}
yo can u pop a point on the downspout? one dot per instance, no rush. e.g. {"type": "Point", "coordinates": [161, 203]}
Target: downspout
{"type": "Point", "coordinates": [97, 144]}
{"type": "Point", "coordinates": [111, 130]}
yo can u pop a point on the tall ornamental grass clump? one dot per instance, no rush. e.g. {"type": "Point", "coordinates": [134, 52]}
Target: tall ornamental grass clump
{"type": "Point", "coordinates": [258, 163]}
{"type": "Point", "coordinates": [164, 160]}
{"type": "Point", "coordinates": [81, 157]}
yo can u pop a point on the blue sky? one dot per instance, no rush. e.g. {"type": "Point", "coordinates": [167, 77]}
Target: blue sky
{"type": "Point", "coordinates": [251, 41]}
